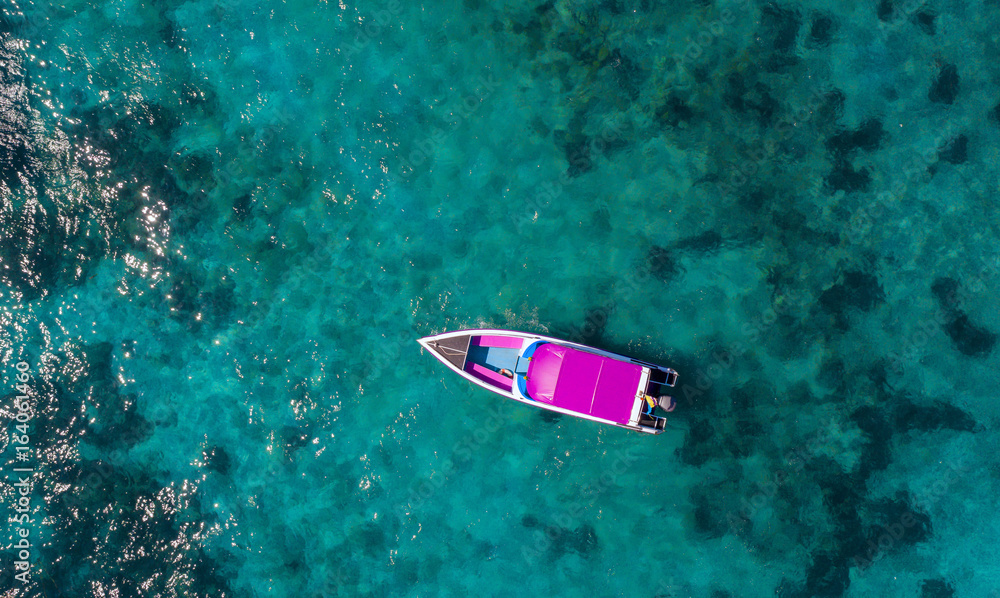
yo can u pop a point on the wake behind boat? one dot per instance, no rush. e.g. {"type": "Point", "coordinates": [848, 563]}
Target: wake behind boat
{"type": "Point", "coordinates": [559, 376]}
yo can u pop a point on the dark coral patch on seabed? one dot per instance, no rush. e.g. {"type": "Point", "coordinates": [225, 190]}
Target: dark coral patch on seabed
{"type": "Point", "coordinates": [662, 263]}
{"type": "Point", "coordinates": [969, 338]}
{"type": "Point", "coordinates": [910, 416]}
{"type": "Point", "coordinates": [955, 151]}
{"type": "Point", "coordinates": [705, 242]}
{"type": "Point", "coordinates": [821, 31]}
{"type": "Point", "coordinates": [925, 21]}
{"type": "Point", "coordinates": [994, 114]}
{"type": "Point", "coordinates": [945, 87]}
{"type": "Point", "coordinates": [745, 98]}
{"type": "Point", "coordinates": [779, 27]}
{"type": "Point", "coordinates": [674, 112]}
{"type": "Point", "coordinates": [936, 588]}
{"type": "Point", "coordinates": [867, 137]}
{"type": "Point", "coordinates": [856, 291]}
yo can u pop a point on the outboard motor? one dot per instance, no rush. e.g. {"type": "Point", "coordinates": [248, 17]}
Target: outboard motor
{"type": "Point", "coordinates": [666, 403]}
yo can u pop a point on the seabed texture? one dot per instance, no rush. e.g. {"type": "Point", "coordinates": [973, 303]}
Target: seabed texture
{"type": "Point", "coordinates": [223, 224]}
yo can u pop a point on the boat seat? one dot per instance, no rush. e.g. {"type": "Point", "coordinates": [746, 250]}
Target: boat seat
{"type": "Point", "coordinates": [487, 375]}
{"type": "Point", "coordinates": [499, 342]}
{"type": "Point", "coordinates": [650, 421]}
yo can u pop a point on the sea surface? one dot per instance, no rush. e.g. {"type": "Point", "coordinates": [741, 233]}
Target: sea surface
{"type": "Point", "coordinates": [223, 225]}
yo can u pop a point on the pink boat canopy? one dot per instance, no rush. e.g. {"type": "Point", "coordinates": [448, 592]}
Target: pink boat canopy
{"type": "Point", "coordinates": [583, 382]}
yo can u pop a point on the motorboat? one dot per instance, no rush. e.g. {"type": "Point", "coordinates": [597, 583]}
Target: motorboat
{"type": "Point", "coordinates": [560, 376]}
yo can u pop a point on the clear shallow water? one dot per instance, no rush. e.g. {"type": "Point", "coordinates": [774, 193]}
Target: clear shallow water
{"type": "Point", "coordinates": [224, 226]}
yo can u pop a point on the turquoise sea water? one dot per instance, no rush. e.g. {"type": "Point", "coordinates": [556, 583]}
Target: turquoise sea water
{"type": "Point", "coordinates": [224, 224]}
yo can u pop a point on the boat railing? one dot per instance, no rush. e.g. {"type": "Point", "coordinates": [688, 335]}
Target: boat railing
{"type": "Point", "coordinates": [652, 421]}
{"type": "Point", "coordinates": [669, 381]}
